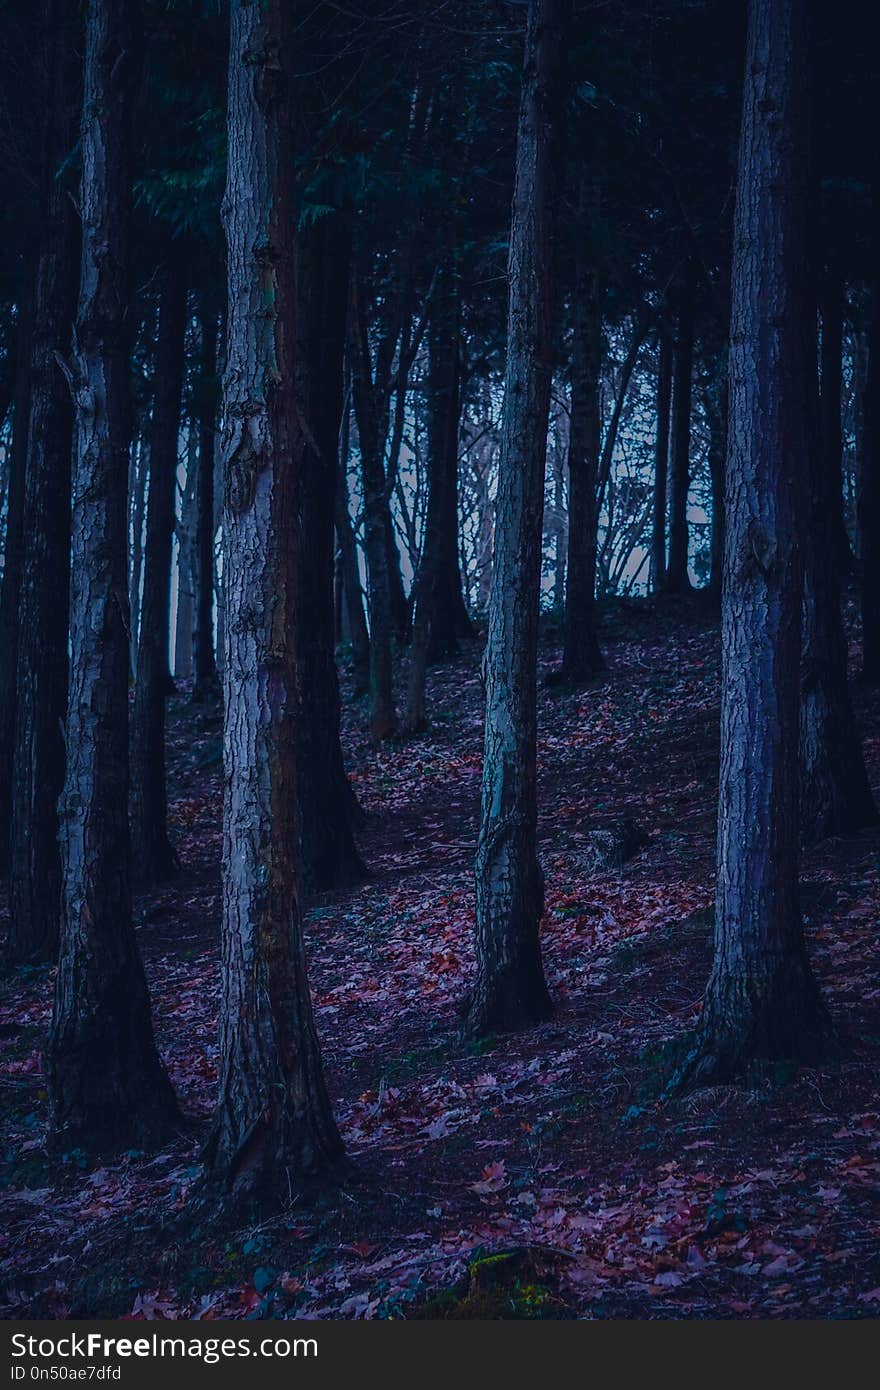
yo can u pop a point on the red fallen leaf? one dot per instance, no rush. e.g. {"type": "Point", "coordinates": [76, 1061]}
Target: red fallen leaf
{"type": "Point", "coordinates": [493, 1179]}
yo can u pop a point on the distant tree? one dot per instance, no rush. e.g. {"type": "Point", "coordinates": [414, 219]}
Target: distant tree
{"type": "Point", "coordinates": [274, 1128]}
{"type": "Point", "coordinates": [106, 1083]}
{"type": "Point", "coordinates": [661, 463]}
{"type": "Point", "coordinates": [153, 855]}
{"type": "Point", "coordinates": [677, 581]}
{"type": "Point", "coordinates": [206, 686]}
{"type": "Point", "coordinates": [509, 990]}
{"type": "Point", "coordinates": [762, 1000]}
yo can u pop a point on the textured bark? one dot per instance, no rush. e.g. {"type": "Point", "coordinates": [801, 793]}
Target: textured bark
{"type": "Point", "coordinates": [206, 685]}
{"type": "Point", "coordinates": [274, 1128]}
{"type": "Point", "coordinates": [440, 617]}
{"type": "Point", "coordinates": [762, 1000]}
{"type": "Point", "coordinates": [835, 794]}
{"type": "Point", "coordinates": [10, 591]}
{"type": "Point", "coordinates": [106, 1083]}
{"type": "Point", "coordinates": [509, 990]}
{"type": "Point", "coordinates": [38, 770]}
{"type": "Point", "coordinates": [154, 859]}
{"type": "Point", "coordinates": [661, 464]}
{"type": "Point", "coordinates": [581, 655]}
{"type": "Point", "coordinates": [677, 580]}
{"type": "Point", "coordinates": [869, 492]}
{"type": "Point", "coordinates": [328, 854]}
{"type": "Point", "coordinates": [383, 718]}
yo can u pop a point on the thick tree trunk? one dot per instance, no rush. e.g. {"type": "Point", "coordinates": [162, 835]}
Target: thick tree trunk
{"type": "Point", "coordinates": [509, 990]}
{"type": "Point", "coordinates": [677, 580]}
{"type": "Point", "coordinates": [581, 655]}
{"type": "Point", "coordinates": [274, 1128]}
{"type": "Point", "coordinates": [38, 769]}
{"type": "Point", "coordinates": [106, 1083]}
{"type": "Point", "coordinates": [154, 859]}
{"type": "Point", "coordinates": [762, 1000]}
{"type": "Point", "coordinates": [206, 686]}
{"type": "Point", "coordinates": [661, 464]}
{"type": "Point", "coordinates": [329, 856]}
{"type": "Point", "coordinates": [383, 718]}
{"type": "Point", "coordinates": [10, 591]}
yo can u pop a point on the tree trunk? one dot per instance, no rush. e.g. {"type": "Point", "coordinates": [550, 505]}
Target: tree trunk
{"type": "Point", "coordinates": [184, 604]}
{"type": "Point", "coordinates": [661, 464]}
{"type": "Point", "coordinates": [106, 1084]}
{"type": "Point", "coordinates": [138, 472]}
{"type": "Point", "coordinates": [509, 989]}
{"type": "Point", "coordinates": [830, 421]}
{"type": "Point", "coordinates": [38, 770]}
{"type": "Point", "coordinates": [274, 1128]}
{"type": "Point", "coordinates": [206, 686]}
{"type": "Point", "coordinates": [762, 1000]}
{"type": "Point", "coordinates": [383, 719]}
{"type": "Point", "coordinates": [835, 794]}
{"type": "Point", "coordinates": [10, 592]}
{"type": "Point", "coordinates": [581, 655]}
{"type": "Point", "coordinates": [716, 407]}
{"type": "Point", "coordinates": [677, 580]}
{"type": "Point", "coordinates": [353, 591]}
{"type": "Point", "coordinates": [154, 859]}
{"type": "Point", "coordinates": [438, 603]}
{"type": "Point", "coordinates": [329, 856]}
{"type": "Point", "coordinates": [869, 492]}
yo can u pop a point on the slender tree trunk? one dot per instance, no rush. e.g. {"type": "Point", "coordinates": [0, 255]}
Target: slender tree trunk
{"type": "Point", "coordinates": [677, 581]}
{"type": "Point", "coordinates": [106, 1083]}
{"type": "Point", "coordinates": [353, 592]}
{"type": "Point", "coordinates": [661, 464]}
{"type": "Point", "coordinates": [38, 769]}
{"type": "Point", "coordinates": [185, 530]}
{"type": "Point", "coordinates": [716, 407]}
{"type": "Point", "coordinates": [329, 856]}
{"type": "Point", "coordinates": [383, 719]}
{"type": "Point", "coordinates": [835, 794]}
{"type": "Point", "coordinates": [762, 1000]}
{"type": "Point", "coordinates": [869, 492]}
{"type": "Point", "coordinates": [10, 592]}
{"type": "Point", "coordinates": [438, 601]}
{"type": "Point", "coordinates": [137, 507]}
{"type": "Point", "coordinates": [206, 686]}
{"type": "Point", "coordinates": [274, 1128]}
{"type": "Point", "coordinates": [154, 859]}
{"type": "Point", "coordinates": [509, 989]}
{"type": "Point", "coordinates": [830, 420]}
{"type": "Point", "coordinates": [581, 655]}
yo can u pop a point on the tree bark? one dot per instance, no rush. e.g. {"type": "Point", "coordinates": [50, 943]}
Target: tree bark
{"type": "Point", "coordinates": [106, 1084]}
{"type": "Point", "coordinates": [509, 990]}
{"type": "Point", "coordinates": [762, 1001]}
{"type": "Point", "coordinates": [383, 718]}
{"type": "Point", "coordinates": [329, 856]}
{"type": "Point", "coordinates": [440, 617]}
{"type": "Point", "coordinates": [661, 464]}
{"type": "Point", "coordinates": [677, 580]}
{"type": "Point", "coordinates": [351, 579]}
{"type": "Point", "coordinates": [716, 407]}
{"type": "Point", "coordinates": [274, 1129]}
{"type": "Point", "coordinates": [869, 492]}
{"type": "Point", "coordinates": [10, 592]}
{"type": "Point", "coordinates": [581, 654]}
{"type": "Point", "coordinates": [154, 859]}
{"type": "Point", "coordinates": [206, 685]}
{"type": "Point", "coordinates": [38, 768]}
{"type": "Point", "coordinates": [830, 421]}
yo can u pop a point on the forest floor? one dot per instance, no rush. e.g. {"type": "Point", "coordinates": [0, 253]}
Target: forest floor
{"type": "Point", "coordinates": [553, 1148]}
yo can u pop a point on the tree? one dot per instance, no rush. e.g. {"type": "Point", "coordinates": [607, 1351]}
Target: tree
{"type": "Point", "coordinates": [581, 654]}
{"type": "Point", "coordinates": [661, 464]}
{"type": "Point", "coordinates": [38, 768]}
{"type": "Point", "coordinates": [869, 496]}
{"type": "Point", "coordinates": [153, 855]}
{"type": "Point", "coordinates": [106, 1083]}
{"type": "Point", "coordinates": [677, 581]}
{"type": "Point", "coordinates": [329, 856]}
{"type": "Point", "coordinates": [762, 1000]}
{"type": "Point", "coordinates": [509, 990]}
{"type": "Point", "coordinates": [274, 1128]}
{"type": "Point", "coordinates": [206, 686]}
